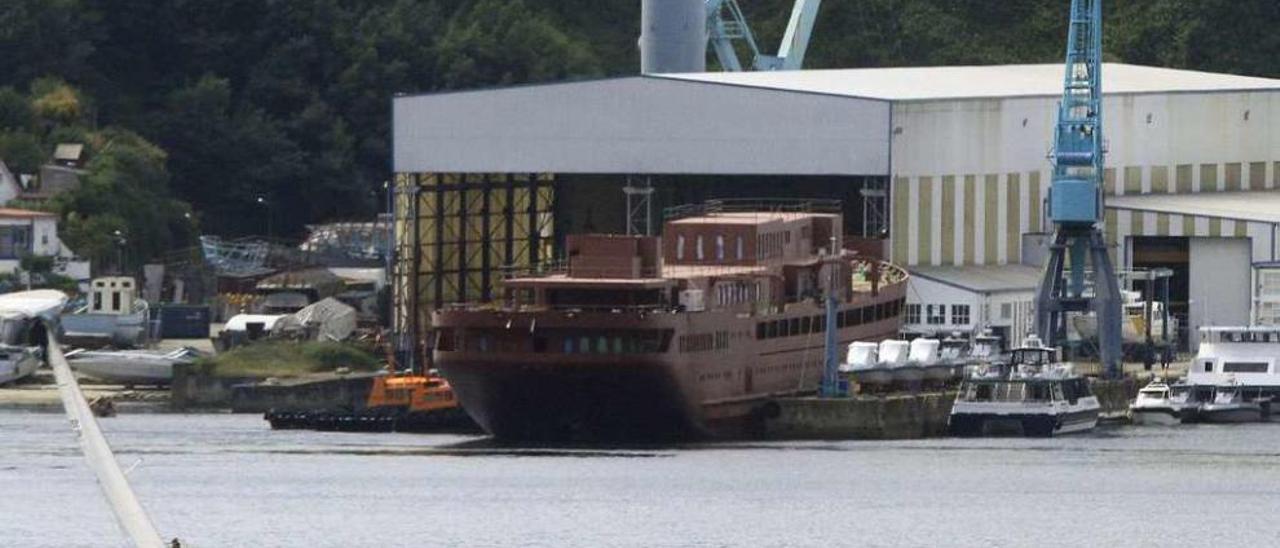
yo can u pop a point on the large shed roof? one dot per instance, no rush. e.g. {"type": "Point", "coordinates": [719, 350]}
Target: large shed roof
{"type": "Point", "coordinates": [940, 83]}
{"type": "Point", "coordinates": [983, 279]}
{"type": "Point", "coordinates": [1258, 205]}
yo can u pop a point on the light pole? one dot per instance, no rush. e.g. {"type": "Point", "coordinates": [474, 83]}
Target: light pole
{"type": "Point", "coordinates": [120, 243]}
{"type": "Point", "coordinates": [266, 205]}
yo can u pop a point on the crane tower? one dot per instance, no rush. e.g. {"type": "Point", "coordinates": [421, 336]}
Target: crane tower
{"type": "Point", "coordinates": [1078, 277]}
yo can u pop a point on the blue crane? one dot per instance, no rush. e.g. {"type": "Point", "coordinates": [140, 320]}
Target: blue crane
{"type": "Point", "coordinates": [725, 24]}
{"type": "Point", "coordinates": [1069, 285]}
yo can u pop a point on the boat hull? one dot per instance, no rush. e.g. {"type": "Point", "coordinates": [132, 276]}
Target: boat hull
{"type": "Point", "coordinates": [1035, 425]}
{"type": "Point", "coordinates": [1230, 413]}
{"type": "Point", "coordinates": [1156, 416]}
{"type": "Point", "coordinates": [18, 365]}
{"type": "Point", "coordinates": [125, 371]}
{"type": "Point", "coordinates": [532, 401]}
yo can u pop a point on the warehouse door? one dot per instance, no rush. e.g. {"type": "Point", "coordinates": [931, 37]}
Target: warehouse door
{"type": "Point", "coordinates": [1220, 283]}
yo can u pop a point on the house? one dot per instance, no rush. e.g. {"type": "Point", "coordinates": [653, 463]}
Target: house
{"type": "Point", "coordinates": [24, 232]}
{"type": "Point", "coordinates": [967, 299]}
{"type": "Point", "coordinates": [9, 187]}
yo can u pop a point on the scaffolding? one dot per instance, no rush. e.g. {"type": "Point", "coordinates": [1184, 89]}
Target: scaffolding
{"type": "Point", "coordinates": [456, 236]}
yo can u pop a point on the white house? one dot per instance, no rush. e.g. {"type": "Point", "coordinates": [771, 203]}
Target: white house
{"type": "Point", "coordinates": [24, 232]}
{"type": "Point", "coordinates": [947, 299]}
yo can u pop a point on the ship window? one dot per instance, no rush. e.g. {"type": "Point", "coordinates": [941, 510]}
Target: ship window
{"type": "Point", "coordinates": [983, 393]}
{"type": "Point", "coordinates": [680, 247]}
{"type": "Point", "coordinates": [819, 324]}
{"type": "Point", "coordinates": [741, 248]}
{"type": "Point", "coordinates": [698, 248]}
{"type": "Point", "coordinates": [841, 316]}
{"type": "Point", "coordinates": [1208, 366]}
{"type": "Point", "coordinates": [760, 330]}
{"type": "Point", "coordinates": [445, 340]}
{"type": "Point", "coordinates": [773, 329]}
{"type": "Point", "coordinates": [1244, 367]}
{"type": "Point", "coordinates": [617, 345]}
{"type": "Point", "coordinates": [602, 345]}
{"type": "Point", "coordinates": [540, 345]}
{"type": "Point", "coordinates": [1040, 392]}
{"type": "Point", "coordinates": [719, 247]}
{"type": "Point", "coordinates": [868, 314]}
{"type": "Point", "coordinates": [795, 326]}
{"type": "Point", "coordinates": [568, 345]}
{"type": "Point", "coordinates": [584, 345]}
{"type": "Point", "coordinates": [806, 325]}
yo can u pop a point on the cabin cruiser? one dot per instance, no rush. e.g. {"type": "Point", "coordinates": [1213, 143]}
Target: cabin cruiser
{"type": "Point", "coordinates": [1031, 395]}
{"type": "Point", "coordinates": [1229, 405]}
{"type": "Point", "coordinates": [111, 315]}
{"type": "Point", "coordinates": [953, 358]}
{"type": "Point", "coordinates": [863, 365]}
{"type": "Point", "coordinates": [1244, 356]}
{"type": "Point", "coordinates": [25, 320]}
{"type": "Point", "coordinates": [1162, 403]}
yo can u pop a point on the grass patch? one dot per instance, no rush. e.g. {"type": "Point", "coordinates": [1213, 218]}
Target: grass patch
{"type": "Point", "coordinates": [288, 358]}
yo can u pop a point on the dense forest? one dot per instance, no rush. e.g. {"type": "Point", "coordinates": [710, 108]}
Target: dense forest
{"type": "Point", "coordinates": [245, 116]}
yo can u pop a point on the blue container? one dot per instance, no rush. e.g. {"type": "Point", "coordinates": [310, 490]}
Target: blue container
{"type": "Point", "coordinates": [184, 322]}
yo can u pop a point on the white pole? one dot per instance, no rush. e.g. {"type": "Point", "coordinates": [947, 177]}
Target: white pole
{"type": "Point", "coordinates": [129, 512]}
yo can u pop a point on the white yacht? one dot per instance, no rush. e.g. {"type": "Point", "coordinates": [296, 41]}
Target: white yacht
{"type": "Point", "coordinates": [1162, 403]}
{"type": "Point", "coordinates": [1243, 356]}
{"type": "Point", "coordinates": [862, 363]}
{"type": "Point", "coordinates": [1031, 395]}
{"type": "Point", "coordinates": [953, 357]}
{"type": "Point", "coordinates": [926, 354]}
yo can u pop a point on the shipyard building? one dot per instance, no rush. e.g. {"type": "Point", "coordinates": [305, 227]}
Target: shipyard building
{"type": "Point", "coordinates": [942, 169]}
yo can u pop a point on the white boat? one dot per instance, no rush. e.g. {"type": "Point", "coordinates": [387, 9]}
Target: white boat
{"type": "Point", "coordinates": [1032, 395]}
{"type": "Point", "coordinates": [1161, 403]}
{"type": "Point", "coordinates": [926, 354]}
{"type": "Point", "coordinates": [130, 366]}
{"type": "Point", "coordinates": [895, 357]}
{"type": "Point", "coordinates": [1229, 405]}
{"type": "Point", "coordinates": [863, 365]}
{"type": "Point", "coordinates": [1133, 329]}
{"type": "Point", "coordinates": [113, 315]}
{"type": "Point", "coordinates": [25, 319]}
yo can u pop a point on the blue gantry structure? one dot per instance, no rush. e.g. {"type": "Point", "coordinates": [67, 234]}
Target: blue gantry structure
{"type": "Point", "coordinates": [1078, 275]}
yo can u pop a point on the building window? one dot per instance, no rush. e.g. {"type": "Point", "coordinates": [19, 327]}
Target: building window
{"type": "Point", "coordinates": [719, 247]}
{"type": "Point", "coordinates": [680, 247]}
{"type": "Point", "coordinates": [913, 314]}
{"type": "Point", "coordinates": [698, 248]}
{"type": "Point", "coordinates": [937, 314]}
{"type": "Point", "coordinates": [1006, 311]}
{"type": "Point", "coordinates": [15, 241]}
{"type": "Point", "coordinates": [959, 314]}
{"type": "Point", "coordinates": [741, 248]}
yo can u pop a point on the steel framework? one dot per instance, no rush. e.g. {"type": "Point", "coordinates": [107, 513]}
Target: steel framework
{"type": "Point", "coordinates": [456, 236]}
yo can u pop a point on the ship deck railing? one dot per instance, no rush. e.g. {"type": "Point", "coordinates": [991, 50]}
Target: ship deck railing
{"type": "Point", "coordinates": [753, 205]}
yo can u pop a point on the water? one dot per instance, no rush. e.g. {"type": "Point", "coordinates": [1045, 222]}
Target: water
{"type": "Point", "coordinates": [227, 480]}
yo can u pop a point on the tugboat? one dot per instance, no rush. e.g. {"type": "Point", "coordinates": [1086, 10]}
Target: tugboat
{"type": "Point", "coordinates": [690, 335]}
{"type": "Point", "coordinates": [1032, 395]}
{"type": "Point", "coordinates": [1161, 403]}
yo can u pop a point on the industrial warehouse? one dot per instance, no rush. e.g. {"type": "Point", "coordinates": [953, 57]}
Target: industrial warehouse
{"type": "Point", "coordinates": [947, 164]}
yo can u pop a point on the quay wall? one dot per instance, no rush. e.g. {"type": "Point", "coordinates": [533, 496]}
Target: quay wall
{"type": "Point", "coordinates": [195, 389]}
{"type": "Point", "coordinates": [904, 416]}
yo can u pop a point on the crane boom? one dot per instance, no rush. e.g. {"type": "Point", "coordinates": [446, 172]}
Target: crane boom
{"type": "Point", "coordinates": [726, 24]}
{"type": "Point", "coordinates": [1076, 200]}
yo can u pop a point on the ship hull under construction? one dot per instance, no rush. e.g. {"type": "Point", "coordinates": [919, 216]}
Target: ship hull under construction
{"type": "Point", "coordinates": [704, 375]}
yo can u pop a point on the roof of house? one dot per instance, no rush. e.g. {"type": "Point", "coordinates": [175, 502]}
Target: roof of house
{"type": "Point", "coordinates": [964, 82]}
{"type": "Point", "coordinates": [982, 279]}
{"type": "Point", "coordinates": [1254, 205]}
{"type": "Point", "coordinates": [68, 152]}
{"type": "Point", "coordinates": [12, 213]}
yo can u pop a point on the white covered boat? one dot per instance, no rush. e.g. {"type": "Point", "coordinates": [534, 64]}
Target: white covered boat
{"type": "Point", "coordinates": [25, 319]}
{"type": "Point", "coordinates": [130, 366]}
{"type": "Point", "coordinates": [895, 356]}
{"type": "Point", "coordinates": [862, 363]}
{"type": "Point", "coordinates": [1032, 395]}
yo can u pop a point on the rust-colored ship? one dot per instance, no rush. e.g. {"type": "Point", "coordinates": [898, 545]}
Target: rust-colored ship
{"type": "Point", "coordinates": [690, 335]}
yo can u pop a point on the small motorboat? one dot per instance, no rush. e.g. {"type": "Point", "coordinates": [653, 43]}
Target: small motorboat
{"type": "Point", "coordinates": [926, 355]}
{"type": "Point", "coordinates": [953, 355]}
{"type": "Point", "coordinates": [1230, 406]}
{"type": "Point", "coordinates": [1162, 404]}
{"type": "Point", "coordinates": [25, 319]}
{"type": "Point", "coordinates": [863, 366]}
{"type": "Point", "coordinates": [130, 366]}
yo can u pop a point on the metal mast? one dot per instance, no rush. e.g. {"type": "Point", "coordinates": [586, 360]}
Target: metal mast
{"type": "Point", "coordinates": [1076, 200]}
{"type": "Point", "coordinates": [725, 24]}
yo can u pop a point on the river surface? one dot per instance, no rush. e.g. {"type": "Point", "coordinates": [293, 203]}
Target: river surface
{"type": "Point", "coordinates": [228, 480]}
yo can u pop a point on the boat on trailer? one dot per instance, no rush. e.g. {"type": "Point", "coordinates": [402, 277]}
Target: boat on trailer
{"type": "Point", "coordinates": [1033, 394]}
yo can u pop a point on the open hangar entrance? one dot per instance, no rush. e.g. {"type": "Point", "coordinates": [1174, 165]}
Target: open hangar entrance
{"type": "Point", "coordinates": [1211, 279]}
{"type": "Point", "coordinates": [597, 202]}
